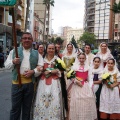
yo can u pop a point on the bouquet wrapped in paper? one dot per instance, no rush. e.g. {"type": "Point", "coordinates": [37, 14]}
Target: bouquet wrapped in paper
{"type": "Point", "coordinates": [70, 74]}
{"type": "Point", "coordinates": [59, 64]}
{"type": "Point", "coordinates": [106, 78]}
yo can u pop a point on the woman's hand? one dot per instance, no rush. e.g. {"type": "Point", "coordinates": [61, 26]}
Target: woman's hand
{"type": "Point", "coordinates": [47, 72]}
{"type": "Point", "coordinates": [79, 83]}
{"type": "Point", "coordinates": [55, 71]}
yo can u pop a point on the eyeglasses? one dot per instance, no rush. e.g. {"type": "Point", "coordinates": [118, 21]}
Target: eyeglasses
{"type": "Point", "coordinates": [25, 38]}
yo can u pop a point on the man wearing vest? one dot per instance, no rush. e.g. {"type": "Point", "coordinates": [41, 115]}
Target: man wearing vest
{"type": "Point", "coordinates": [29, 60]}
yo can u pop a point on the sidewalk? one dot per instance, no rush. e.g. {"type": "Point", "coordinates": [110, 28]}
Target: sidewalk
{"type": "Point", "coordinates": [2, 69]}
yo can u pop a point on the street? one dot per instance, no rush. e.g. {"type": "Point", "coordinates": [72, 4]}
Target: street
{"type": "Point", "coordinates": [5, 94]}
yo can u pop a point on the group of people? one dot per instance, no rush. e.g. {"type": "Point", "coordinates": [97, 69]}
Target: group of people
{"type": "Point", "coordinates": [82, 97]}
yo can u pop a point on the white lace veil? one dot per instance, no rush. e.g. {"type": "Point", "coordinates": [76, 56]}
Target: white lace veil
{"type": "Point", "coordinates": [65, 50]}
{"type": "Point", "coordinates": [76, 64]}
{"type": "Point", "coordinates": [115, 69]}
{"type": "Point", "coordinates": [99, 48]}
{"type": "Point", "coordinates": [100, 68]}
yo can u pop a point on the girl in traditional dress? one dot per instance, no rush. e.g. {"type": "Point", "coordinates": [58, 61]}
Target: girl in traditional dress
{"type": "Point", "coordinates": [104, 53]}
{"type": "Point", "coordinates": [110, 96]}
{"type": "Point", "coordinates": [48, 102]}
{"type": "Point", "coordinates": [82, 102]}
{"type": "Point", "coordinates": [96, 76]}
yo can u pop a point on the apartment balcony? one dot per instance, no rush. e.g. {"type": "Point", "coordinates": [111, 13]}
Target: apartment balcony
{"type": "Point", "coordinates": [90, 26]}
{"type": "Point", "coordinates": [92, 1]}
{"type": "Point", "coordinates": [36, 28]}
{"type": "Point", "coordinates": [22, 17]}
{"type": "Point", "coordinates": [90, 19]}
{"type": "Point", "coordinates": [90, 8]}
{"type": "Point", "coordinates": [20, 2]}
{"type": "Point", "coordinates": [18, 26]}
{"type": "Point", "coordinates": [116, 30]}
{"type": "Point", "coordinates": [19, 13]}
{"type": "Point", "coordinates": [91, 13]}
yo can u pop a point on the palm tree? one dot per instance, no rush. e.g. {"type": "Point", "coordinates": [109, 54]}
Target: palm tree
{"type": "Point", "coordinates": [48, 3]}
{"type": "Point", "coordinates": [116, 10]}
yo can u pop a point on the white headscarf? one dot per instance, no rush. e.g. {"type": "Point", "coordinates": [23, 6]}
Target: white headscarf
{"type": "Point", "coordinates": [96, 71]}
{"type": "Point", "coordinates": [76, 65]}
{"type": "Point", "coordinates": [99, 48]}
{"type": "Point", "coordinates": [73, 51]}
{"type": "Point", "coordinates": [115, 69]}
{"type": "Point", "coordinates": [106, 56]}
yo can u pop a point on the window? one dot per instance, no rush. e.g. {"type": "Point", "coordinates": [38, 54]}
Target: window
{"type": "Point", "coordinates": [116, 25]}
{"type": "Point", "coordinates": [0, 18]}
{"type": "Point", "coordinates": [115, 34]}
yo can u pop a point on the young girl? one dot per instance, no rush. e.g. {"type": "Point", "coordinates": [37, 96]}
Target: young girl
{"type": "Point", "coordinates": [110, 97]}
{"type": "Point", "coordinates": [82, 102]}
{"type": "Point", "coordinates": [97, 70]}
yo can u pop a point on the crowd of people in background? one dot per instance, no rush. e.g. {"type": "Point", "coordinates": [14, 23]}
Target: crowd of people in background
{"type": "Point", "coordinates": [84, 97]}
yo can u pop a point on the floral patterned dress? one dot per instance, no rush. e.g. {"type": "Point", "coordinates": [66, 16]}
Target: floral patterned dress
{"type": "Point", "coordinates": [48, 98]}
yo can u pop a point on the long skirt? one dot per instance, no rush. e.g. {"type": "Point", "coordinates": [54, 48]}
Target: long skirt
{"type": "Point", "coordinates": [110, 103]}
{"type": "Point", "coordinates": [82, 103]}
{"type": "Point", "coordinates": [48, 102]}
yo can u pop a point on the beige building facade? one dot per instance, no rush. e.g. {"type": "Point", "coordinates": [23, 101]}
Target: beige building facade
{"type": "Point", "coordinates": [41, 11]}
{"type": "Point", "coordinates": [77, 33]}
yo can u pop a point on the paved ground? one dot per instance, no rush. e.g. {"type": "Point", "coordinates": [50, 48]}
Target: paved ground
{"type": "Point", "coordinates": [5, 93]}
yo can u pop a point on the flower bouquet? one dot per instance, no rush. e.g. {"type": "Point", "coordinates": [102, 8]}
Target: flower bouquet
{"type": "Point", "coordinates": [70, 74]}
{"type": "Point", "coordinates": [106, 78]}
{"type": "Point", "coordinates": [59, 64]}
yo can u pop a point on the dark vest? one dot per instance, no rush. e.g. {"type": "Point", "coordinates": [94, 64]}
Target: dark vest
{"type": "Point", "coordinates": [33, 59]}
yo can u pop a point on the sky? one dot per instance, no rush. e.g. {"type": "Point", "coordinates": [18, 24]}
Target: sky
{"type": "Point", "coordinates": [67, 13]}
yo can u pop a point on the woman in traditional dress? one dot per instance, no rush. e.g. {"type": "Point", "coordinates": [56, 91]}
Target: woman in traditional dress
{"type": "Point", "coordinates": [104, 53]}
{"type": "Point", "coordinates": [82, 102]}
{"type": "Point", "coordinates": [110, 96]}
{"type": "Point", "coordinates": [97, 70]}
{"type": "Point", "coordinates": [48, 102]}
{"type": "Point", "coordinates": [69, 55]}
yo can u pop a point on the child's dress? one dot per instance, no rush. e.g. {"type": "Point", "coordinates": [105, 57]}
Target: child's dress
{"type": "Point", "coordinates": [110, 97]}
{"type": "Point", "coordinates": [82, 102]}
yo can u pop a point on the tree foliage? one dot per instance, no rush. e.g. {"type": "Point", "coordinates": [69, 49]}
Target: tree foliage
{"type": "Point", "coordinates": [116, 8]}
{"type": "Point", "coordinates": [73, 41]}
{"type": "Point", "coordinates": [88, 38]}
{"type": "Point", "coordinates": [48, 3]}
{"type": "Point", "coordinates": [58, 40]}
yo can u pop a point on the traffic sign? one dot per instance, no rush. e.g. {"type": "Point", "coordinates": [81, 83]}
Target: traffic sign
{"type": "Point", "coordinates": [7, 2]}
